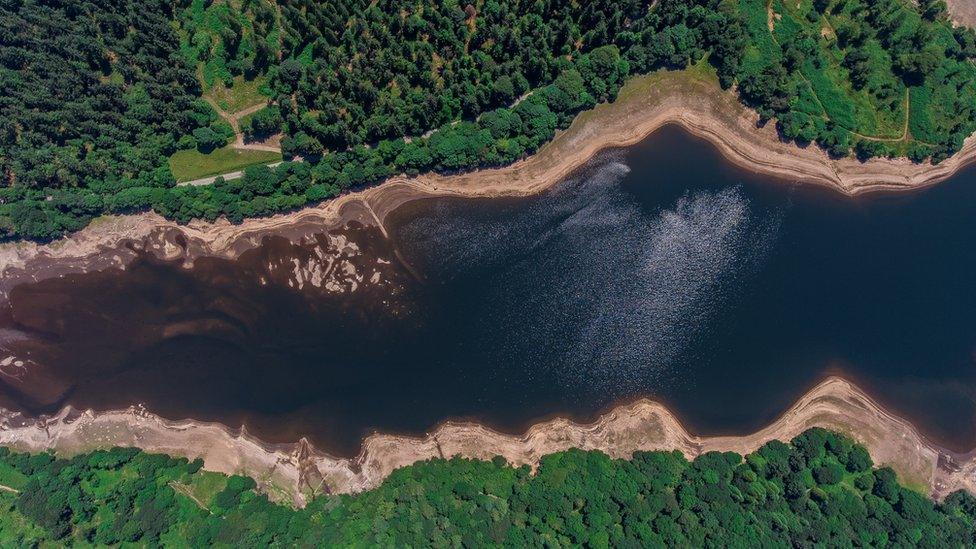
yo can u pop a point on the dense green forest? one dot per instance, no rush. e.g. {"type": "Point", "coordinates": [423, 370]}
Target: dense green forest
{"type": "Point", "coordinates": [819, 490]}
{"type": "Point", "coordinates": [362, 90]}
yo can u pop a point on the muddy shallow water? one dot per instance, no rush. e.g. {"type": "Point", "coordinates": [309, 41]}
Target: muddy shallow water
{"type": "Point", "coordinates": [657, 271]}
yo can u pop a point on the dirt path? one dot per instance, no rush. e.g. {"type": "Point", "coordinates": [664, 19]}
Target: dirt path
{"type": "Point", "coordinates": [227, 176]}
{"type": "Point", "coordinates": [184, 490]}
{"type": "Point", "coordinates": [234, 119]}
{"type": "Point", "coordinates": [904, 132]}
{"type": "Point", "coordinates": [9, 489]}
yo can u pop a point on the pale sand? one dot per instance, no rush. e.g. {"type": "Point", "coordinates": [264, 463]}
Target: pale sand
{"type": "Point", "coordinates": [692, 101]}
{"type": "Point", "coordinates": [963, 12]}
{"type": "Point", "coordinates": [293, 472]}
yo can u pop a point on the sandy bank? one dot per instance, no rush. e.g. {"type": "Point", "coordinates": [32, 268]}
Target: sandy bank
{"type": "Point", "coordinates": [296, 471]}
{"type": "Point", "coordinates": [963, 12]}
{"type": "Point", "coordinates": [688, 99]}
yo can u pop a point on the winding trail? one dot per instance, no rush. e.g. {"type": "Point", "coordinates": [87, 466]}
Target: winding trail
{"type": "Point", "coordinates": [904, 134]}
{"type": "Point", "coordinates": [239, 143]}
{"type": "Point", "coordinates": [184, 490]}
{"type": "Point", "coordinates": [771, 18]}
{"type": "Point", "coordinates": [234, 119]}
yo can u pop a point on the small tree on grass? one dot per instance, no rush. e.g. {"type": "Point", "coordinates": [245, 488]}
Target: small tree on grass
{"type": "Point", "coordinates": [265, 122]}
{"type": "Point", "coordinates": [208, 140]}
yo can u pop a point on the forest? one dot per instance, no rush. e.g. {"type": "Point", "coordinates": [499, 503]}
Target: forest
{"type": "Point", "coordinates": [821, 489]}
{"type": "Point", "coordinates": [362, 90]}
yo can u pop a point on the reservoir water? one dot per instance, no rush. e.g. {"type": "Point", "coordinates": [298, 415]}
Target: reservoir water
{"type": "Point", "coordinates": [658, 271]}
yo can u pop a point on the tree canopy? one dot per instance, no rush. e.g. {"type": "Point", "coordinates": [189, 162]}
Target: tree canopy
{"type": "Point", "coordinates": [819, 490]}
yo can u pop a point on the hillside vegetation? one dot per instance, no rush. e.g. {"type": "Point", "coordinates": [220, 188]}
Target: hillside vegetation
{"type": "Point", "coordinates": [364, 89]}
{"type": "Point", "coordinates": [820, 490]}
{"type": "Point", "coordinates": [233, 45]}
{"type": "Point", "coordinates": [880, 76]}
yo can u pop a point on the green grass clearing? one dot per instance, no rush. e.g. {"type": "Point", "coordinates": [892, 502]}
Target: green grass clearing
{"type": "Point", "coordinates": [241, 95]}
{"type": "Point", "coordinates": [11, 477]}
{"type": "Point", "coordinates": [192, 164]}
{"type": "Point", "coordinates": [204, 485]}
{"type": "Point", "coordinates": [15, 526]}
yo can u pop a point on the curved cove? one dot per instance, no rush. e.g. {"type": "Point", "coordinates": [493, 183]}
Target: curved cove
{"type": "Point", "coordinates": [658, 270]}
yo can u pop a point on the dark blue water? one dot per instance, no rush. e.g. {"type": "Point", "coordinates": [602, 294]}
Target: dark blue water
{"type": "Point", "coordinates": [664, 271]}
{"type": "Point", "coordinates": [657, 271]}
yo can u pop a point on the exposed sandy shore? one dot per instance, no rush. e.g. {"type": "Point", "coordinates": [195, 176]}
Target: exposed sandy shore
{"type": "Point", "coordinates": [645, 104]}
{"type": "Point", "coordinates": [963, 12]}
{"type": "Point", "coordinates": [296, 471]}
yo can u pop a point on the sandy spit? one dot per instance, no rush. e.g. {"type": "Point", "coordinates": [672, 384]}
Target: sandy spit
{"type": "Point", "coordinates": [295, 472]}
{"type": "Point", "coordinates": [690, 100]}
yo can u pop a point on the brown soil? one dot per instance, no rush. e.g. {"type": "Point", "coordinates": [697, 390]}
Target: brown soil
{"type": "Point", "coordinates": [963, 12]}
{"type": "Point", "coordinates": [294, 472]}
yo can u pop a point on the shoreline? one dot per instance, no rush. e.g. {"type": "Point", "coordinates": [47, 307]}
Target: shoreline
{"type": "Point", "coordinates": [688, 99]}
{"type": "Point", "coordinates": [295, 472]}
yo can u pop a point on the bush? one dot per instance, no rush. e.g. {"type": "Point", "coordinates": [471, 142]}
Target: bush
{"type": "Point", "coordinates": [186, 143]}
{"type": "Point", "coordinates": [858, 460]}
{"type": "Point", "coordinates": [263, 123]}
{"type": "Point", "coordinates": [208, 140]}
{"type": "Point", "coordinates": [831, 473]}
